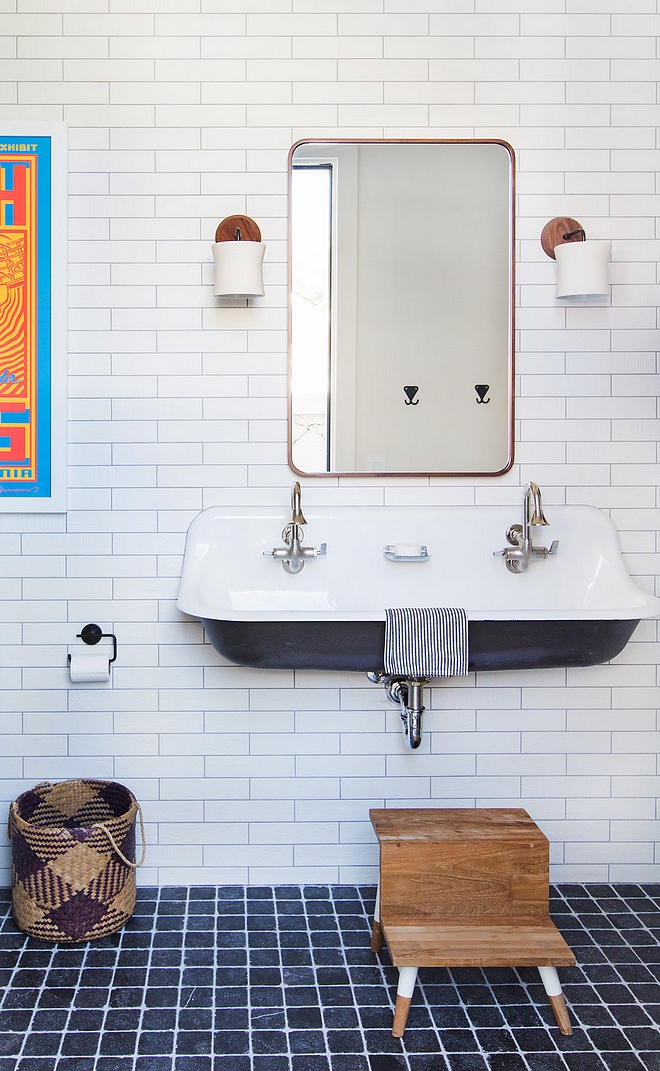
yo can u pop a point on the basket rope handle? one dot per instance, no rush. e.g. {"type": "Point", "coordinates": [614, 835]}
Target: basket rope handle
{"type": "Point", "coordinates": [134, 866]}
{"type": "Point", "coordinates": [98, 825]}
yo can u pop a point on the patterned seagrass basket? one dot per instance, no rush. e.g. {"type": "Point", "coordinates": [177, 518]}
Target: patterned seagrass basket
{"type": "Point", "coordinates": [73, 859]}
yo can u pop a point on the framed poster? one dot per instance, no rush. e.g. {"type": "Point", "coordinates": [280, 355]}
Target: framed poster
{"type": "Point", "coordinates": [32, 317]}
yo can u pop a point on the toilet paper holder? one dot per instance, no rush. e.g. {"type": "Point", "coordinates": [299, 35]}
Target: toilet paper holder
{"type": "Point", "coordinates": [91, 634]}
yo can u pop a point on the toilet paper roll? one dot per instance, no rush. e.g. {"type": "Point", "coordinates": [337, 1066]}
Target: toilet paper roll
{"type": "Point", "coordinates": [89, 666]}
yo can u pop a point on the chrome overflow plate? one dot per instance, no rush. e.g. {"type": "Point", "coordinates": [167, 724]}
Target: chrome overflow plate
{"type": "Point", "coordinates": [399, 552]}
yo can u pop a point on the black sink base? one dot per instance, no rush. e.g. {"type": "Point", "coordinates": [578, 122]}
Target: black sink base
{"type": "Point", "coordinates": [358, 645]}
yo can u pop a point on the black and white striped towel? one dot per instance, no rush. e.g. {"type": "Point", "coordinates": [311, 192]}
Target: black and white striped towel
{"type": "Point", "coordinates": [426, 641]}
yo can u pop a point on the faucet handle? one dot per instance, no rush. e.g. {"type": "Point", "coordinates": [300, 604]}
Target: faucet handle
{"type": "Point", "coordinates": [514, 534]}
{"type": "Point", "coordinates": [546, 552]}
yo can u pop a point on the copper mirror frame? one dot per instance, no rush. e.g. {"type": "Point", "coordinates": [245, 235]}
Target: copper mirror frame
{"type": "Point", "coordinates": [306, 154]}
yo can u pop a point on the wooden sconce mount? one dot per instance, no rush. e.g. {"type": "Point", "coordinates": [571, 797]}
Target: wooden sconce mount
{"type": "Point", "coordinates": [559, 231]}
{"type": "Point", "coordinates": [226, 230]}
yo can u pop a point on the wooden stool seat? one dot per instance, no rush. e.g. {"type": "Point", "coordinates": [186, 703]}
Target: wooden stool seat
{"type": "Point", "coordinates": [466, 888]}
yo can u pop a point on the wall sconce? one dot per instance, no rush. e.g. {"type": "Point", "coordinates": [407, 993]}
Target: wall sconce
{"type": "Point", "coordinates": [238, 253]}
{"type": "Point", "coordinates": [582, 270]}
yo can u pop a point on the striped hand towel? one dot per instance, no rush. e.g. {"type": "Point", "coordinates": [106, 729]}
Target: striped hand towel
{"type": "Point", "coordinates": [426, 641]}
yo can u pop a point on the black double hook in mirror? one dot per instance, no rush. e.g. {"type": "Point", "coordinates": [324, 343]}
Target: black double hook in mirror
{"type": "Point", "coordinates": [411, 392]}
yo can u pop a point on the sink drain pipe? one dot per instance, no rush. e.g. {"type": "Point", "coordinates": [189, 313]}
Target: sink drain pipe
{"type": "Point", "coordinates": [408, 693]}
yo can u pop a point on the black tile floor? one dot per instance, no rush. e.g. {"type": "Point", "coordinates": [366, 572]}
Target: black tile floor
{"type": "Point", "coordinates": [282, 979]}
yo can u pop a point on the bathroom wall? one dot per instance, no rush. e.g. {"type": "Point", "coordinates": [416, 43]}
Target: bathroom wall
{"type": "Point", "coordinates": [180, 112]}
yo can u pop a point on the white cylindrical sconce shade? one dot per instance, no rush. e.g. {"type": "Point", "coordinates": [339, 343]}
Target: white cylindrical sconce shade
{"type": "Point", "coordinates": [237, 269]}
{"type": "Point", "coordinates": [582, 269]}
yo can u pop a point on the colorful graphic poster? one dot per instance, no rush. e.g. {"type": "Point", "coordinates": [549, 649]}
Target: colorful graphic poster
{"type": "Point", "coordinates": [26, 318]}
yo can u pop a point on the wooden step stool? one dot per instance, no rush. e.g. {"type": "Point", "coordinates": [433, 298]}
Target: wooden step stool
{"type": "Point", "coordinates": [465, 888]}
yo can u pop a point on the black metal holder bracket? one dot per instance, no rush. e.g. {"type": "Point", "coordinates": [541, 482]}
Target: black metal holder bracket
{"type": "Point", "coordinates": [91, 634]}
{"type": "Point", "coordinates": [571, 234]}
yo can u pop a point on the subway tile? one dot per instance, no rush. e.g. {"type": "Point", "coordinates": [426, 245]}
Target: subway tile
{"type": "Point", "coordinates": [582, 743]}
{"type": "Point", "coordinates": [163, 766]}
{"type": "Point", "coordinates": [158, 722]}
{"type": "Point", "coordinates": [67, 588]}
{"type": "Point", "coordinates": [432, 47]}
{"type": "Point", "coordinates": [346, 854]}
{"type": "Point", "coordinates": [252, 811]}
{"type": "Point", "coordinates": [112, 744]}
{"type": "Point", "coordinates": [519, 93]}
{"type": "Point", "coordinates": [343, 93]}
{"type": "Point", "coordinates": [520, 765]}
{"type": "Point", "coordinates": [297, 788]}
{"type": "Point", "coordinates": [191, 699]}
{"type": "Point", "coordinates": [564, 70]}
{"type": "Point", "coordinates": [247, 855]}
{"type": "Point", "coordinates": [617, 48]}
{"type": "Point", "coordinates": [109, 475]}
{"type": "Point", "coordinates": [617, 364]}
{"type": "Point", "coordinates": [616, 138]}
{"type": "Point", "coordinates": [176, 833]}
{"type": "Point", "coordinates": [131, 610]}
{"type": "Point", "coordinates": [513, 47]}
{"type": "Point", "coordinates": [292, 25]}
{"type": "Point", "coordinates": [613, 809]}
{"type": "Point", "coordinates": [615, 765]}
{"type": "Point", "coordinates": [343, 47]}
{"type": "Point", "coordinates": [32, 24]}
{"type": "Point", "coordinates": [592, 452]}
{"type": "Point", "coordinates": [198, 395]}
{"type": "Point", "coordinates": [611, 93]}
{"type": "Point", "coordinates": [155, 47]}
{"type": "Point", "coordinates": [579, 408]}
{"type": "Point", "coordinates": [231, 49]}
{"type": "Point", "coordinates": [50, 47]}
{"type": "Point", "coordinates": [204, 743]}
{"type": "Point", "coordinates": [609, 182]}
{"type": "Point", "coordinates": [470, 787]}
{"type": "Point", "coordinates": [609, 853]}
{"type": "Point", "coordinates": [63, 767]}
{"type": "Point", "coordinates": [93, 521]}
{"type": "Point", "coordinates": [388, 24]}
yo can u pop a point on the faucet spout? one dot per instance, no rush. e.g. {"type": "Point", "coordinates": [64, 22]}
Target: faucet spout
{"type": "Point", "coordinates": [533, 498]}
{"type": "Point", "coordinates": [297, 517]}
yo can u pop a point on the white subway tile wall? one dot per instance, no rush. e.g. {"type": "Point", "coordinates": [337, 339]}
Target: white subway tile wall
{"type": "Point", "coordinates": [182, 112]}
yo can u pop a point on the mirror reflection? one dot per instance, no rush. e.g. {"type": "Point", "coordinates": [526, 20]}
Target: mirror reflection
{"type": "Point", "coordinates": [401, 339]}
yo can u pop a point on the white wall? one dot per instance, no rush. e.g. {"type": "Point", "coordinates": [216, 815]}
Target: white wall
{"type": "Point", "coordinates": [178, 117]}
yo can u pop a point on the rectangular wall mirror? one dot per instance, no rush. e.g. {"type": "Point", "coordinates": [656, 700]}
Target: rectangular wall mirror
{"type": "Point", "coordinates": [401, 307]}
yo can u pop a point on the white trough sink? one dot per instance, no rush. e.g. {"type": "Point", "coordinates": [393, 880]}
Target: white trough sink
{"type": "Point", "coordinates": [578, 607]}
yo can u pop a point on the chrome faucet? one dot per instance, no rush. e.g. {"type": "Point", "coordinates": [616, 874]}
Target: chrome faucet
{"type": "Point", "coordinates": [293, 555]}
{"type": "Point", "coordinates": [522, 550]}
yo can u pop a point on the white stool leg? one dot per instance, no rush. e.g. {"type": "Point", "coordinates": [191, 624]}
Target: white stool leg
{"type": "Point", "coordinates": [404, 992]}
{"type": "Point", "coordinates": [377, 931]}
{"type": "Point", "coordinates": [552, 986]}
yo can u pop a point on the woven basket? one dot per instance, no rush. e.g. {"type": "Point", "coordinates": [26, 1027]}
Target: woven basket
{"type": "Point", "coordinates": [73, 859]}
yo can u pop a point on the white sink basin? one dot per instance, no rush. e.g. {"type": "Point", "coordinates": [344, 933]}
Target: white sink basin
{"type": "Point", "coordinates": [578, 607]}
